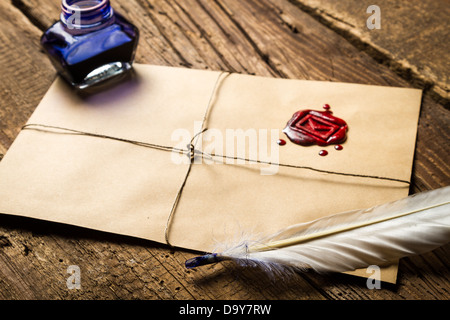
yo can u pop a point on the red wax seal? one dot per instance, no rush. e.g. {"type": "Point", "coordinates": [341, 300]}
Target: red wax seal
{"type": "Point", "coordinates": [308, 127]}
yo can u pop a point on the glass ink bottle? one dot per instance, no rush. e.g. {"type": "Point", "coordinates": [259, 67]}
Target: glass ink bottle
{"type": "Point", "coordinates": [90, 43]}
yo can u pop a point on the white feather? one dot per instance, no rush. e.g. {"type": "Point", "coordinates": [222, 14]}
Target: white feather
{"type": "Point", "coordinates": [354, 239]}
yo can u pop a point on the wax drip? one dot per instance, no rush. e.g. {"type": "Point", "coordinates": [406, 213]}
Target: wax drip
{"type": "Point", "coordinates": [312, 127]}
{"type": "Point", "coordinates": [309, 127]}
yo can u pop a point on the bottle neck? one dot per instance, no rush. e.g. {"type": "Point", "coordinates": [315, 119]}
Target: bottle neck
{"type": "Point", "coordinates": [83, 16]}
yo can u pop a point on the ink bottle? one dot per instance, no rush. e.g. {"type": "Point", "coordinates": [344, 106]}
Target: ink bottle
{"type": "Point", "coordinates": [90, 43]}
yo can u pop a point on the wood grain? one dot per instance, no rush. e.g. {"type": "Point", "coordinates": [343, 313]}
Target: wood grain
{"type": "Point", "coordinates": [412, 39]}
{"type": "Point", "coordinates": [270, 38]}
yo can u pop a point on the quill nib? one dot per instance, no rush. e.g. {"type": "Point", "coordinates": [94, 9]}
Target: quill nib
{"type": "Point", "coordinates": [203, 260]}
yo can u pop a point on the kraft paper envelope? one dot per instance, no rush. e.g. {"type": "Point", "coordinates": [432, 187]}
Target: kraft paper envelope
{"type": "Point", "coordinates": [102, 183]}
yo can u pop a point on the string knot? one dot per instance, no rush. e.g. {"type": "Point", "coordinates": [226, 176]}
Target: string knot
{"type": "Point", "coordinates": [192, 152]}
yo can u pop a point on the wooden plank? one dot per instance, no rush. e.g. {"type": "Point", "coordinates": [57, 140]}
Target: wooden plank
{"type": "Point", "coordinates": [221, 35]}
{"type": "Point", "coordinates": [413, 39]}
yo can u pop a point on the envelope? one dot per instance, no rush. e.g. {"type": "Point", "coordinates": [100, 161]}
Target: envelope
{"type": "Point", "coordinates": [191, 157]}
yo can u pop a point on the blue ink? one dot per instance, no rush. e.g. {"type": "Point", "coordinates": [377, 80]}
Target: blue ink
{"type": "Point", "coordinates": [202, 260]}
{"type": "Point", "coordinates": [91, 42]}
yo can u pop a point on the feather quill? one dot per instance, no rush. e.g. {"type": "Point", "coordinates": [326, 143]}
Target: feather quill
{"type": "Point", "coordinates": [350, 240]}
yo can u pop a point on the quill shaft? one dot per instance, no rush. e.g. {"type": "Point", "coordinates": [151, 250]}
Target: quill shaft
{"type": "Point", "coordinates": [297, 240]}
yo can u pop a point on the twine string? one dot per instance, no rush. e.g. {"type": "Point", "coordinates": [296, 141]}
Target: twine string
{"type": "Point", "coordinates": [191, 151]}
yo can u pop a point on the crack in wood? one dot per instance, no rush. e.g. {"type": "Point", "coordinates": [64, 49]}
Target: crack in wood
{"type": "Point", "coordinates": [263, 55]}
{"type": "Point", "coordinates": [4, 242]}
{"type": "Point", "coordinates": [400, 68]}
{"type": "Point", "coordinates": [27, 13]}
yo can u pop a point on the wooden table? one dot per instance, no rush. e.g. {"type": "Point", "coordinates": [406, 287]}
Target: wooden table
{"type": "Point", "coordinates": [275, 38]}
